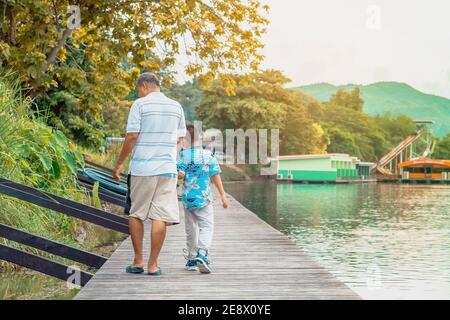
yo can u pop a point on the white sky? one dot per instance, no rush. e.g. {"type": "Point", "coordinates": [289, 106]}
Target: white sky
{"type": "Point", "coordinates": [343, 41]}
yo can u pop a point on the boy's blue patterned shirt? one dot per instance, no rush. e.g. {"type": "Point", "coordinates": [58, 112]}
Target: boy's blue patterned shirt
{"type": "Point", "coordinates": [198, 165]}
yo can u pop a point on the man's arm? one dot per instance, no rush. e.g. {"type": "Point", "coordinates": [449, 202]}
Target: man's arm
{"type": "Point", "coordinates": [127, 148]}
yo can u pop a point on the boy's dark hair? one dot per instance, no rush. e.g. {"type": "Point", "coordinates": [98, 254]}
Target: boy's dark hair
{"type": "Point", "coordinates": [190, 133]}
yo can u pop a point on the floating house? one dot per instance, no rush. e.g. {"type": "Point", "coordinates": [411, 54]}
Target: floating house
{"type": "Point", "coordinates": [425, 170]}
{"type": "Point", "coordinates": [329, 167]}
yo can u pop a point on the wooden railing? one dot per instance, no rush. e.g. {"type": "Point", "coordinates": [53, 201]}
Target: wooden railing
{"type": "Point", "coordinates": [63, 206]}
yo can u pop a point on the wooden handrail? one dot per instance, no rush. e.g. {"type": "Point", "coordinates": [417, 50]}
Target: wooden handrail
{"type": "Point", "coordinates": [51, 246]}
{"type": "Point", "coordinates": [65, 206]}
{"type": "Point", "coordinates": [40, 264]}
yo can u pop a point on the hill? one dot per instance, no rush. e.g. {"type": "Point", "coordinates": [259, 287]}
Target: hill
{"type": "Point", "coordinates": [394, 97]}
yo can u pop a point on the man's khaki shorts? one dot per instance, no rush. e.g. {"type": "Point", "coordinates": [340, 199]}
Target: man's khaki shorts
{"type": "Point", "coordinates": [154, 197]}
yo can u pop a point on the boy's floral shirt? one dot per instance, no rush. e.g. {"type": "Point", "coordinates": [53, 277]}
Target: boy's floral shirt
{"type": "Point", "coordinates": [198, 165]}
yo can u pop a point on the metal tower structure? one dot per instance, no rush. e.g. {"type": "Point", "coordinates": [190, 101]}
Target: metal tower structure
{"type": "Point", "coordinates": [416, 146]}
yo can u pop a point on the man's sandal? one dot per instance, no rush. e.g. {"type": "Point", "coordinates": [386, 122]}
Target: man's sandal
{"type": "Point", "coordinates": [131, 269]}
{"type": "Point", "coordinates": [156, 273]}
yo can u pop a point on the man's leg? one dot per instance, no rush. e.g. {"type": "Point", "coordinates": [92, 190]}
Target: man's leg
{"type": "Point", "coordinates": [163, 212]}
{"type": "Point", "coordinates": [158, 234]}
{"type": "Point", "coordinates": [141, 193]}
{"type": "Point", "coordinates": [136, 226]}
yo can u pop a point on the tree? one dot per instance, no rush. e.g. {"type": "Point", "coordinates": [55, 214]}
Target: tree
{"type": "Point", "coordinates": [353, 132]}
{"type": "Point", "coordinates": [349, 129]}
{"type": "Point", "coordinates": [300, 134]}
{"type": "Point", "coordinates": [189, 95]}
{"type": "Point", "coordinates": [396, 128]}
{"type": "Point", "coordinates": [261, 101]}
{"type": "Point", "coordinates": [87, 69]}
{"type": "Point", "coordinates": [442, 150]}
{"type": "Point", "coordinates": [350, 99]}
{"type": "Point", "coordinates": [257, 102]}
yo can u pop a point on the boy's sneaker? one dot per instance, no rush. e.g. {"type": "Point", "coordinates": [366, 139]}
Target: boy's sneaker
{"type": "Point", "coordinates": [203, 263]}
{"type": "Point", "coordinates": [191, 265]}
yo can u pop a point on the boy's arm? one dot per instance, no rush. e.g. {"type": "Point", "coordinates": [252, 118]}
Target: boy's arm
{"type": "Point", "coordinates": [181, 167]}
{"type": "Point", "coordinates": [218, 183]}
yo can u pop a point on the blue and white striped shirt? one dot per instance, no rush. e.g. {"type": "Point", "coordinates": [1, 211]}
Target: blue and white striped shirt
{"type": "Point", "coordinates": [160, 122]}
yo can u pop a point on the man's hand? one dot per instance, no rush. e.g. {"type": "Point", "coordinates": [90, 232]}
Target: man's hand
{"type": "Point", "coordinates": [127, 147]}
{"type": "Point", "coordinates": [224, 200]}
{"type": "Point", "coordinates": [116, 171]}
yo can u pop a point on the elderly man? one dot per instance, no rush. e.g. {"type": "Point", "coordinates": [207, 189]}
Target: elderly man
{"type": "Point", "coordinates": [155, 128]}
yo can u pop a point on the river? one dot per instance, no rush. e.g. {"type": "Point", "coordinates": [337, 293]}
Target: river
{"type": "Point", "coordinates": [385, 241]}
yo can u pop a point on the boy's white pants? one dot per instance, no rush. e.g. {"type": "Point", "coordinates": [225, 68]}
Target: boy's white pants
{"type": "Point", "coordinates": [199, 224]}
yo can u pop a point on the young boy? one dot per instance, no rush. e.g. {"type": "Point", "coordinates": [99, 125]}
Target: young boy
{"type": "Point", "coordinates": [198, 167]}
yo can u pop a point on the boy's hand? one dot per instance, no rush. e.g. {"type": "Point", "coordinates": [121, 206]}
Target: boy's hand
{"type": "Point", "coordinates": [224, 201]}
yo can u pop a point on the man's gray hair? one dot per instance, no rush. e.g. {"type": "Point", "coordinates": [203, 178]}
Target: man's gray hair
{"type": "Point", "coordinates": [148, 78]}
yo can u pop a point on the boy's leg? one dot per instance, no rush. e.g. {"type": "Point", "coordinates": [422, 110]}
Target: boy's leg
{"type": "Point", "coordinates": [190, 224]}
{"type": "Point", "coordinates": [205, 218]}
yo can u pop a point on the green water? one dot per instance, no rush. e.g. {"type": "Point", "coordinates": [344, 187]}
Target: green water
{"type": "Point", "coordinates": [388, 241]}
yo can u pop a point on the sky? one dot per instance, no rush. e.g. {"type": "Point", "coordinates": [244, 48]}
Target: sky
{"type": "Point", "coordinates": [361, 41]}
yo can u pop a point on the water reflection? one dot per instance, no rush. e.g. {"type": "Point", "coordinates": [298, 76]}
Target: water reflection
{"type": "Point", "coordinates": [383, 240]}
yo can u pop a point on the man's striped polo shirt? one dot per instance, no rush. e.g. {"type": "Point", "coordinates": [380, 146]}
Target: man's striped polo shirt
{"type": "Point", "coordinates": [160, 122]}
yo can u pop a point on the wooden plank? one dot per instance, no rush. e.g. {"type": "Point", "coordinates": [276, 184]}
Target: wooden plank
{"type": "Point", "coordinates": [104, 219]}
{"type": "Point", "coordinates": [41, 264]}
{"type": "Point", "coordinates": [250, 260]}
{"type": "Point", "coordinates": [67, 202]}
{"type": "Point", "coordinates": [51, 246]}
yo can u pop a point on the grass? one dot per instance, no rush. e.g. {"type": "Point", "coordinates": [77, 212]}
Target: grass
{"type": "Point", "coordinates": [107, 158]}
{"type": "Point", "coordinates": [31, 153]}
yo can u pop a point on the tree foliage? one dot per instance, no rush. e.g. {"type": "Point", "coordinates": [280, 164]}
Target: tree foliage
{"type": "Point", "coordinates": [351, 100]}
{"type": "Point", "coordinates": [306, 125]}
{"type": "Point", "coordinates": [442, 150]}
{"type": "Point", "coordinates": [189, 95]}
{"type": "Point", "coordinates": [352, 131]}
{"type": "Point", "coordinates": [79, 73]}
{"type": "Point", "coordinates": [396, 128]}
{"type": "Point", "coordinates": [261, 101]}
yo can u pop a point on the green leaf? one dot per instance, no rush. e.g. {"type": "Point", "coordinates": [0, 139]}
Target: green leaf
{"type": "Point", "coordinates": [61, 139]}
{"type": "Point", "coordinates": [25, 163]}
{"type": "Point", "coordinates": [45, 160]}
{"type": "Point", "coordinates": [23, 150]}
{"type": "Point", "coordinates": [78, 157]}
{"type": "Point", "coordinates": [95, 197]}
{"type": "Point", "coordinates": [70, 161]}
{"type": "Point", "coordinates": [56, 169]}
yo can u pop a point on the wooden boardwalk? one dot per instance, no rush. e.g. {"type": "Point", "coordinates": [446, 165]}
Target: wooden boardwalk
{"type": "Point", "coordinates": [250, 260]}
